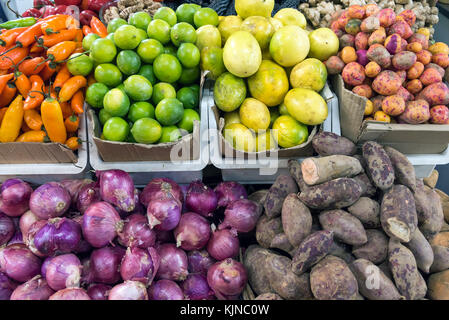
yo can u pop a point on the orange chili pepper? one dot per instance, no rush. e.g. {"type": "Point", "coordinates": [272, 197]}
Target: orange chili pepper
{"type": "Point", "coordinates": [9, 92]}
{"type": "Point", "coordinates": [98, 27]}
{"type": "Point", "coordinates": [25, 127]}
{"type": "Point", "coordinates": [33, 119]}
{"type": "Point", "coordinates": [77, 102]}
{"type": "Point", "coordinates": [61, 51]}
{"type": "Point", "coordinates": [86, 30]}
{"type": "Point", "coordinates": [23, 84]}
{"type": "Point", "coordinates": [55, 38]}
{"type": "Point", "coordinates": [66, 109]}
{"type": "Point", "coordinates": [27, 37]}
{"type": "Point", "coordinates": [2, 114]}
{"type": "Point", "coordinates": [36, 48]}
{"type": "Point", "coordinates": [32, 136]}
{"type": "Point", "coordinates": [36, 94]}
{"type": "Point", "coordinates": [72, 123]}
{"type": "Point", "coordinates": [71, 86]}
{"type": "Point", "coordinates": [48, 71]}
{"type": "Point", "coordinates": [53, 120]}
{"type": "Point", "coordinates": [79, 35]}
{"type": "Point", "coordinates": [73, 143]}
{"type": "Point", "coordinates": [91, 80]}
{"type": "Point", "coordinates": [62, 76]}
{"type": "Point", "coordinates": [56, 23]}
{"type": "Point", "coordinates": [32, 66]}
{"type": "Point", "coordinates": [12, 58]}
{"type": "Point", "coordinates": [8, 37]}
{"type": "Point", "coordinates": [12, 121]}
{"type": "Point", "coordinates": [4, 80]}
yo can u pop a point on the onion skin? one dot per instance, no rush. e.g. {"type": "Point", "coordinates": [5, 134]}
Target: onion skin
{"type": "Point", "coordinates": [63, 271]}
{"type": "Point", "coordinates": [227, 278]}
{"type": "Point", "coordinates": [241, 215]}
{"type": "Point", "coordinates": [140, 265]}
{"type": "Point", "coordinates": [201, 199]}
{"type": "Point", "coordinates": [195, 287]}
{"type": "Point", "coordinates": [199, 261]}
{"type": "Point", "coordinates": [105, 263]}
{"type": "Point", "coordinates": [34, 289]}
{"type": "Point", "coordinates": [14, 197]}
{"type": "Point", "coordinates": [129, 290]}
{"type": "Point", "coordinates": [7, 229]}
{"type": "Point", "coordinates": [173, 264]}
{"type": "Point", "coordinates": [228, 192]}
{"type": "Point", "coordinates": [98, 291]}
{"type": "Point", "coordinates": [137, 233]}
{"type": "Point", "coordinates": [117, 188]}
{"type": "Point", "coordinates": [165, 290]}
{"type": "Point", "coordinates": [45, 265]}
{"type": "Point", "coordinates": [223, 244]}
{"type": "Point", "coordinates": [192, 232]}
{"type": "Point", "coordinates": [161, 188]}
{"type": "Point", "coordinates": [26, 221]}
{"type": "Point", "coordinates": [74, 187]}
{"type": "Point", "coordinates": [19, 263]}
{"type": "Point", "coordinates": [7, 287]}
{"type": "Point", "coordinates": [164, 236]}
{"type": "Point", "coordinates": [70, 294]}
{"type": "Point", "coordinates": [31, 233]}
{"type": "Point", "coordinates": [16, 238]}
{"type": "Point", "coordinates": [101, 223]}
{"type": "Point", "coordinates": [87, 275]}
{"type": "Point", "coordinates": [164, 213]}
{"type": "Point", "coordinates": [50, 200]}
{"type": "Point", "coordinates": [88, 195]}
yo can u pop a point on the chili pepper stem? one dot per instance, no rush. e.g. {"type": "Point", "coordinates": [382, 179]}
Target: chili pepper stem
{"type": "Point", "coordinates": [12, 10]}
{"type": "Point", "coordinates": [18, 45]}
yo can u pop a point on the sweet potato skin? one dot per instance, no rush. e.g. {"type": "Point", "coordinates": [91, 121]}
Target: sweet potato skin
{"type": "Point", "coordinates": [435, 94]}
{"type": "Point", "coordinates": [346, 228]}
{"type": "Point", "coordinates": [267, 229]}
{"type": "Point", "coordinates": [294, 167]}
{"type": "Point", "coordinates": [403, 168]}
{"type": "Point", "coordinates": [429, 211]}
{"type": "Point", "coordinates": [422, 251]}
{"type": "Point", "coordinates": [282, 187]}
{"type": "Point", "coordinates": [438, 284]}
{"type": "Point", "coordinates": [441, 239]}
{"type": "Point", "coordinates": [368, 190]}
{"type": "Point", "coordinates": [375, 249]}
{"type": "Point", "coordinates": [367, 211]}
{"type": "Point", "coordinates": [258, 196]}
{"type": "Point", "coordinates": [328, 143]}
{"type": "Point", "coordinates": [296, 219]}
{"type": "Point", "coordinates": [280, 241]}
{"type": "Point", "coordinates": [254, 261]}
{"type": "Point", "coordinates": [268, 296]}
{"type": "Point", "coordinates": [387, 83]}
{"type": "Point", "coordinates": [380, 169]}
{"type": "Point", "coordinates": [441, 259]}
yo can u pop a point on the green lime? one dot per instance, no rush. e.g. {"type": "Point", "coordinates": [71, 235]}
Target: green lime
{"type": "Point", "coordinates": [141, 34]}
{"type": "Point", "coordinates": [95, 94]}
{"type": "Point", "coordinates": [170, 49]}
{"type": "Point", "coordinates": [116, 103]}
{"type": "Point", "coordinates": [188, 97]}
{"type": "Point", "coordinates": [139, 110]}
{"type": "Point", "coordinates": [162, 91]}
{"type": "Point", "coordinates": [103, 50]}
{"type": "Point", "coordinates": [140, 20]}
{"type": "Point", "coordinates": [212, 61]}
{"type": "Point", "coordinates": [89, 39]}
{"type": "Point", "coordinates": [274, 114]}
{"type": "Point", "coordinates": [121, 86]}
{"type": "Point", "coordinates": [149, 49]}
{"type": "Point", "coordinates": [146, 130]}
{"type": "Point", "coordinates": [138, 88]}
{"type": "Point", "coordinates": [116, 129]}
{"type": "Point", "coordinates": [181, 33]}
{"type": "Point", "coordinates": [167, 14]}
{"type": "Point", "coordinates": [116, 23]}
{"type": "Point", "coordinates": [126, 37]}
{"type": "Point", "coordinates": [167, 68]}
{"type": "Point", "coordinates": [186, 122]}
{"type": "Point", "coordinates": [205, 16]}
{"type": "Point", "coordinates": [190, 75]}
{"type": "Point", "coordinates": [169, 111]}
{"type": "Point", "coordinates": [130, 138]}
{"type": "Point", "coordinates": [196, 89]}
{"type": "Point", "coordinates": [104, 116]}
{"type": "Point", "coordinates": [170, 134]}
{"type": "Point", "coordinates": [80, 64]}
{"type": "Point", "coordinates": [189, 55]}
{"type": "Point", "coordinates": [128, 62]}
{"type": "Point", "coordinates": [110, 37]}
{"type": "Point", "coordinates": [160, 30]}
{"type": "Point", "coordinates": [147, 71]}
{"type": "Point", "coordinates": [108, 74]}
{"type": "Point", "coordinates": [185, 13]}
{"type": "Point", "coordinates": [283, 110]}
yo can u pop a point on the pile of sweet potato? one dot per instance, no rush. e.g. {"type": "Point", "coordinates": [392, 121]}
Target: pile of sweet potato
{"type": "Point", "coordinates": [400, 72]}
{"type": "Point", "coordinates": [350, 226]}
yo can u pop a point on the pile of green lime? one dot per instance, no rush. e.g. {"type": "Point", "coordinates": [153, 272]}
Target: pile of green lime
{"type": "Point", "coordinates": [147, 73]}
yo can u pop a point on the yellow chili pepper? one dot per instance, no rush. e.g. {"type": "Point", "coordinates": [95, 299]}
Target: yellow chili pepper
{"type": "Point", "coordinates": [53, 120]}
{"type": "Point", "coordinates": [12, 121]}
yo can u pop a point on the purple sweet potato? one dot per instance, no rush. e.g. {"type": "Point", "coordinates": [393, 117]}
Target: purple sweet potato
{"type": "Point", "coordinates": [393, 43]}
{"type": "Point", "coordinates": [441, 259]}
{"type": "Point", "coordinates": [408, 280]}
{"type": "Point", "coordinates": [422, 251]}
{"type": "Point", "coordinates": [328, 143]}
{"type": "Point", "coordinates": [372, 282]}
{"type": "Point", "coordinates": [368, 190]}
{"type": "Point", "coordinates": [439, 286]}
{"type": "Point", "coordinates": [429, 210]}
{"type": "Point", "coordinates": [403, 168]}
{"type": "Point", "coordinates": [282, 187]}
{"type": "Point", "coordinates": [280, 241]}
{"type": "Point", "coordinates": [331, 279]}
{"type": "Point", "coordinates": [254, 260]}
{"type": "Point", "coordinates": [380, 169]}
{"type": "Point", "coordinates": [267, 229]}
{"type": "Point", "coordinates": [435, 94]}
{"type": "Point", "coordinates": [367, 211]}
{"type": "Point", "coordinates": [403, 60]}
{"type": "Point", "coordinates": [294, 167]}
{"type": "Point", "coordinates": [398, 213]}
{"type": "Point", "coordinates": [314, 248]}
{"type": "Point", "coordinates": [268, 296]}
{"type": "Point", "coordinates": [342, 250]}
{"type": "Point", "coordinates": [346, 228]}
{"type": "Point", "coordinates": [258, 196]}
{"type": "Point", "coordinates": [375, 249]}
{"type": "Point", "coordinates": [296, 220]}
{"type": "Point", "coordinates": [385, 267]}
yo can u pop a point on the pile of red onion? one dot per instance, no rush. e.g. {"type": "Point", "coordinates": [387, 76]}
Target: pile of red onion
{"type": "Point", "coordinates": [106, 240]}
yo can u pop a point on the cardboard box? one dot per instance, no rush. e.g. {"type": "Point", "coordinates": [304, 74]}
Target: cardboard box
{"type": "Point", "coordinates": [407, 138]}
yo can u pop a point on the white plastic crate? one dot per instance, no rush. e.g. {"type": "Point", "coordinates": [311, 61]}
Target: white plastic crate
{"type": "Point", "coordinates": [19, 6]}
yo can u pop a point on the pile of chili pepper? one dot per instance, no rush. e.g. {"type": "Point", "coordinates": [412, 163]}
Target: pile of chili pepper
{"type": "Point", "coordinates": [40, 100]}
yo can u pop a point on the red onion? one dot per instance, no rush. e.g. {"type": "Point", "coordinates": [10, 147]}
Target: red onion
{"type": "Point", "coordinates": [192, 232]}
{"type": "Point", "coordinates": [161, 188]}
{"type": "Point", "coordinates": [31, 233]}
{"type": "Point", "coordinates": [88, 194]}
{"type": "Point", "coordinates": [19, 263]}
{"type": "Point", "coordinates": [129, 290]}
{"type": "Point", "coordinates": [101, 223]}
{"type": "Point", "coordinates": [199, 261]}
{"type": "Point", "coordinates": [164, 213]}
{"type": "Point", "coordinates": [16, 238]}
{"type": "Point", "coordinates": [34, 289]}
{"type": "Point", "coordinates": [7, 229]}
{"type": "Point", "coordinates": [74, 188]}
{"type": "Point", "coordinates": [241, 215]}
{"type": "Point", "coordinates": [223, 244]}
{"type": "Point", "coordinates": [87, 274]}
{"type": "Point", "coordinates": [228, 192]}
{"type": "Point", "coordinates": [14, 197]}
{"type": "Point", "coordinates": [165, 290]}
{"type": "Point", "coordinates": [105, 264]}
{"type": "Point", "coordinates": [45, 265]}
{"type": "Point", "coordinates": [137, 233]}
{"type": "Point", "coordinates": [58, 235]}
{"type": "Point", "coordinates": [164, 236]}
{"type": "Point", "coordinates": [63, 271]}
{"type": "Point", "coordinates": [98, 291]}
{"type": "Point", "coordinates": [201, 199]}
{"type": "Point", "coordinates": [70, 294]}
{"type": "Point", "coordinates": [140, 265]}
{"type": "Point", "coordinates": [195, 287]}
{"type": "Point", "coordinates": [173, 264]}
{"type": "Point", "coordinates": [50, 200]}
{"type": "Point", "coordinates": [26, 220]}
{"type": "Point", "coordinates": [7, 286]}
{"type": "Point", "coordinates": [227, 278]}
{"type": "Point", "coordinates": [138, 209]}
{"type": "Point", "coordinates": [83, 247]}
{"type": "Point", "coordinates": [117, 188]}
